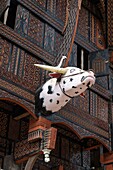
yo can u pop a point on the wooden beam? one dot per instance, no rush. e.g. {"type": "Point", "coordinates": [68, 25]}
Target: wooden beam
{"type": "Point", "coordinates": [21, 116]}
{"type": "Point", "coordinates": [93, 147]}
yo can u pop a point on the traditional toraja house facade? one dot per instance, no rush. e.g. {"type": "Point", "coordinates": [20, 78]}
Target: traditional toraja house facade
{"type": "Point", "coordinates": [80, 135]}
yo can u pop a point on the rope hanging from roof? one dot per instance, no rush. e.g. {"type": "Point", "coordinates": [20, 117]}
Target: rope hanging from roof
{"type": "Point", "coordinates": [70, 28]}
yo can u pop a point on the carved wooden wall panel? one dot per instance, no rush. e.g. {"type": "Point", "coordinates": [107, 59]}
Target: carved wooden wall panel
{"type": "Point", "coordinates": [75, 153]}
{"type": "Point", "coordinates": [83, 23]}
{"type": "Point", "coordinates": [18, 66]}
{"type": "Point", "coordinates": [82, 102]}
{"type": "Point", "coordinates": [3, 124]}
{"type": "Point", "coordinates": [98, 107]}
{"type": "Point", "coordinates": [24, 126]}
{"type": "Point", "coordinates": [110, 22]}
{"type": "Point", "coordinates": [51, 6]}
{"type": "Point", "coordinates": [87, 129]}
{"type": "Point", "coordinates": [58, 41]}
{"type": "Point", "coordinates": [23, 148]}
{"type": "Point", "coordinates": [49, 39]}
{"type": "Point", "coordinates": [35, 30]}
{"type": "Point", "coordinates": [41, 3]}
{"type": "Point", "coordinates": [22, 16]}
{"type": "Point", "coordinates": [86, 159]}
{"type": "Point", "coordinates": [60, 9]}
{"type": "Point", "coordinates": [90, 26]}
{"type": "Point", "coordinates": [98, 61]}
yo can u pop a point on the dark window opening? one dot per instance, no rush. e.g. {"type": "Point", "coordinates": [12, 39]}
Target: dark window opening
{"type": "Point", "coordinates": [12, 15]}
{"type": "Point", "coordinates": [10, 21]}
{"type": "Point", "coordinates": [82, 58]}
{"type": "Point", "coordinates": [95, 159]}
{"type": "Point", "coordinates": [2, 17]}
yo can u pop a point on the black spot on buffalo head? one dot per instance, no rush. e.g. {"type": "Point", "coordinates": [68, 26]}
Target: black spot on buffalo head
{"type": "Point", "coordinates": [64, 82]}
{"type": "Point", "coordinates": [71, 79]}
{"type": "Point", "coordinates": [51, 100]}
{"type": "Point", "coordinates": [49, 90]}
{"type": "Point", "coordinates": [57, 101]}
{"type": "Point", "coordinates": [74, 87]}
{"type": "Point", "coordinates": [64, 90]}
{"type": "Point", "coordinates": [76, 92]}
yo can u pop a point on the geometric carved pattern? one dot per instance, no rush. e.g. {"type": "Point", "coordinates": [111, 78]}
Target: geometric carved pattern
{"type": "Point", "coordinates": [100, 35]}
{"type": "Point", "coordinates": [110, 22]}
{"type": "Point", "coordinates": [95, 25]}
{"type": "Point", "coordinates": [98, 107]}
{"type": "Point", "coordinates": [41, 3]}
{"type": "Point", "coordinates": [82, 102]}
{"type": "Point", "coordinates": [75, 153]}
{"type": "Point", "coordinates": [24, 148]}
{"type": "Point", "coordinates": [58, 42]}
{"type": "Point", "coordinates": [83, 22]}
{"type": "Point", "coordinates": [49, 39]}
{"type": "Point", "coordinates": [35, 30]}
{"type": "Point", "coordinates": [3, 124]}
{"type": "Point", "coordinates": [24, 130]}
{"type": "Point", "coordinates": [99, 65]}
{"type": "Point", "coordinates": [103, 81]}
{"type": "Point", "coordinates": [51, 6]}
{"type": "Point", "coordinates": [18, 66]}
{"type": "Point", "coordinates": [96, 32]}
{"type": "Point", "coordinates": [86, 159]}
{"type": "Point", "coordinates": [29, 26]}
{"type": "Point", "coordinates": [60, 9]}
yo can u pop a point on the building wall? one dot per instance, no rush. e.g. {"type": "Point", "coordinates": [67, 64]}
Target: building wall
{"type": "Point", "coordinates": [36, 36]}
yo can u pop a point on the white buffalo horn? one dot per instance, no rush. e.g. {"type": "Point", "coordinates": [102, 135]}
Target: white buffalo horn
{"type": "Point", "coordinates": [52, 69]}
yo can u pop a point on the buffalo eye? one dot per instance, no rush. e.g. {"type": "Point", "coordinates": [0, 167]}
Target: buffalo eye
{"type": "Point", "coordinates": [72, 70]}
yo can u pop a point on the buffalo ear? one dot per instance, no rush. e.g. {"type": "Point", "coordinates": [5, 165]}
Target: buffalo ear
{"type": "Point", "coordinates": [54, 75]}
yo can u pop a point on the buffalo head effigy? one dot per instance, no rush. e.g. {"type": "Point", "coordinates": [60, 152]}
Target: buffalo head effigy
{"type": "Point", "coordinates": [64, 84]}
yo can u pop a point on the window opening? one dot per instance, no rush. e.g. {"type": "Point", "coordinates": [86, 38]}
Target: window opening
{"type": "Point", "coordinates": [9, 15]}
{"type": "Point", "coordinates": [82, 58]}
